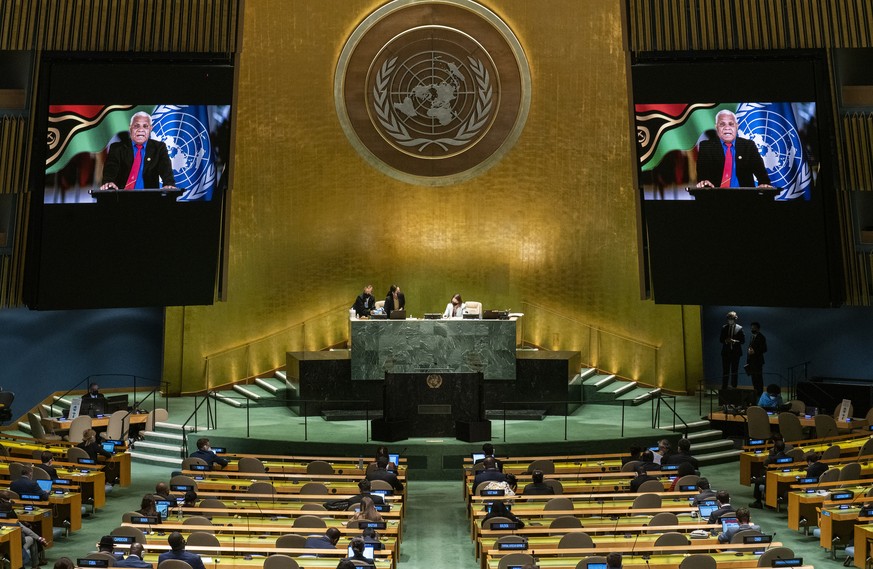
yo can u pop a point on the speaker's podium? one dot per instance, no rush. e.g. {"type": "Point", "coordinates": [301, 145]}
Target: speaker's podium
{"type": "Point", "coordinates": [151, 195]}
{"type": "Point", "coordinates": [433, 404]}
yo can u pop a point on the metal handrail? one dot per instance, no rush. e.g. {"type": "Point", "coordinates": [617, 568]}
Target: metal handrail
{"type": "Point", "coordinates": [210, 422]}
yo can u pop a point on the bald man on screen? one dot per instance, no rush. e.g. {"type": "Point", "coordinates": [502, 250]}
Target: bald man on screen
{"type": "Point", "coordinates": [730, 161]}
{"type": "Point", "coordinates": [139, 163]}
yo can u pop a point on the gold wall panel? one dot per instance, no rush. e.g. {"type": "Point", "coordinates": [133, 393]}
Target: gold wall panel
{"type": "Point", "coordinates": [553, 224]}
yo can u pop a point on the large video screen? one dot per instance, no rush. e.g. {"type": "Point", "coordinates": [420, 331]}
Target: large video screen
{"type": "Point", "coordinates": [130, 181]}
{"type": "Point", "coordinates": [735, 180]}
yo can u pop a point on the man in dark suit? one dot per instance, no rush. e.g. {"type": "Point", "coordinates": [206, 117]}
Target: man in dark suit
{"type": "Point", "coordinates": [395, 300]}
{"type": "Point", "coordinates": [327, 541]}
{"type": "Point", "coordinates": [364, 487]}
{"type": "Point", "coordinates": [730, 161]}
{"type": "Point", "coordinates": [537, 486]}
{"type": "Point", "coordinates": [814, 467]}
{"type": "Point", "coordinates": [488, 450]}
{"type": "Point", "coordinates": [177, 551]}
{"type": "Point", "coordinates": [723, 498]}
{"type": "Point", "coordinates": [134, 558]}
{"type": "Point", "coordinates": [682, 455]}
{"type": "Point", "coordinates": [46, 459]}
{"type": "Point", "coordinates": [755, 359]}
{"type": "Point", "coordinates": [25, 485]}
{"type": "Point", "coordinates": [153, 163]}
{"type": "Point", "coordinates": [731, 339]}
{"type": "Point", "coordinates": [489, 473]}
{"type": "Point", "coordinates": [205, 453]}
{"type": "Point", "coordinates": [381, 472]}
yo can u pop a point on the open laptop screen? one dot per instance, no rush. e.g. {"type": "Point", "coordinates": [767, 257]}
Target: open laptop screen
{"type": "Point", "coordinates": [478, 456]}
{"type": "Point", "coordinates": [45, 485]}
{"type": "Point", "coordinates": [163, 508]}
{"type": "Point", "coordinates": [706, 510]}
{"type": "Point", "coordinates": [728, 523]}
{"type": "Point", "coordinates": [369, 551]}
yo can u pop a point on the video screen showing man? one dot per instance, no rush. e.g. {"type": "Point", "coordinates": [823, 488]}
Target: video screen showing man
{"type": "Point", "coordinates": [143, 162]}
{"type": "Point", "coordinates": [730, 161]}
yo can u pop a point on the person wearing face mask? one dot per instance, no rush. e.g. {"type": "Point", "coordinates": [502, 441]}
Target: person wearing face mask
{"type": "Point", "coordinates": [755, 359]}
{"type": "Point", "coordinates": [138, 162]}
{"type": "Point", "coordinates": [772, 400]}
{"type": "Point", "coordinates": [455, 309]}
{"type": "Point", "coordinates": [94, 392]}
{"type": "Point", "coordinates": [204, 452]}
{"type": "Point", "coordinates": [731, 340]}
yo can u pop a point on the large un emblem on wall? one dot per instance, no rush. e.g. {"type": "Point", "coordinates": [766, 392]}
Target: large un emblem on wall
{"type": "Point", "coordinates": [432, 92]}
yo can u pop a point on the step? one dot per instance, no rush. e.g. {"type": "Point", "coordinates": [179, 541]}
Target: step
{"type": "Point", "coordinates": [161, 435]}
{"type": "Point", "coordinates": [219, 396]}
{"type": "Point", "coordinates": [712, 446]}
{"type": "Point", "coordinates": [60, 401]}
{"type": "Point", "coordinates": [252, 392]}
{"type": "Point", "coordinates": [155, 459]}
{"type": "Point", "coordinates": [270, 384]}
{"type": "Point", "coordinates": [700, 436]}
{"type": "Point", "coordinates": [281, 375]}
{"type": "Point", "coordinates": [693, 426]}
{"type": "Point", "coordinates": [24, 426]}
{"type": "Point", "coordinates": [158, 448]}
{"type": "Point", "coordinates": [587, 372]}
{"type": "Point", "coordinates": [718, 457]}
{"type": "Point", "coordinates": [516, 414]}
{"type": "Point", "coordinates": [599, 380]}
{"type": "Point", "coordinates": [173, 426]}
{"type": "Point", "coordinates": [619, 389]}
{"type": "Point", "coordinates": [350, 414]}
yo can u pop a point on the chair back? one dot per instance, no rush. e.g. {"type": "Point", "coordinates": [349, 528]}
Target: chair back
{"type": "Point", "coordinates": [515, 560]}
{"type": "Point", "coordinates": [309, 521]}
{"type": "Point", "coordinates": [559, 504]}
{"type": "Point", "coordinates": [663, 519]}
{"type": "Point", "coordinates": [310, 507]}
{"type": "Point", "coordinates": [831, 452]}
{"type": "Point", "coordinates": [280, 561]}
{"type": "Point", "coordinates": [576, 540]}
{"type": "Point", "coordinates": [564, 522]}
{"type": "Point", "coordinates": [157, 416]}
{"type": "Point", "coordinates": [40, 474]}
{"type": "Point", "coordinates": [264, 488]}
{"type": "Point", "coordinates": [75, 453]}
{"type": "Point", "coordinates": [740, 535]}
{"type": "Point", "coordinates": [797, 406]}
{"type": "Point", "coordinates": [314, 488]}
{"type": "Point", "coordinates": [825, 426]}
{"type": "Point", "coordinates": [16, 469]}
{"type": "Point", "coordinates": [197, 521]}
{"type": "Point", "coordinates": [119, 425]}
{"type": "Point", "coordinates": [867, 448]}
{"type": "Point", "coordinates": [495, 520]}
{"type": "Point", "coordinates": [546, 466]}
{"type": "Point", "coordinates": [696, 561]}
{"type": "Point", "coordinates": [203, 539]}
{"type": "Point", "coordinates": [319, 467]}
{"type": "Point", "coordinates": [630, 466]}
{"type": "Point", "coordinates": [130, 531]}
{"type": "Point", "coordinates": [509, 539]}
{"type": "Point", "coordinates": [380, 485]}
{"type": "Point", "coordinates": [250, 464]}
{"type": "Point", "coordinates": [758, 422]}
{"type": "Point", "coordinates": [687, 480]}
{"type": "Point", "coordinates": [188, 462]}
{"type": "Point", "coordinates": [672, 538]}
{"type": "Point", "coordinates": [647, 501]}
{"type": "Point", "coordinates": [790, 427]}
{"type": "Point", "coordinates": [473, 307]}
{"type": "Point", "coordinates": [830, 475]}
{"type": "Point", "coordinates": [851, 471]}
{"type": "Point", "coordinates": [796, 454]}
{"type": "Point", "coordinates": [766, 559]}
{"type": "Point", "coordinates": [651, 486]}
{"type": "Point", "coordinates": [182, 480]}
{"type": "Point", "coordinates": [211, 503]}
{"type": "Point", "coordinates": [555, 485]}
{"type": "Point", "coordinates": [291, 541]}
{"type": "Point", "coordinates": [174, 564]}
{"type": "Point", "coordinates": [78, 427]}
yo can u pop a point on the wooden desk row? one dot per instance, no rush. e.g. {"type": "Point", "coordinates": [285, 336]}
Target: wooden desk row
{"type": "Point", "coordinates": [779, 482]}
{"type": "Point", "coordinates": [752, 462]}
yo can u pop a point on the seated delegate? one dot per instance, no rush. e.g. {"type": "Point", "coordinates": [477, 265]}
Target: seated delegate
{"type": "Point", "coordinates": [455, 308]}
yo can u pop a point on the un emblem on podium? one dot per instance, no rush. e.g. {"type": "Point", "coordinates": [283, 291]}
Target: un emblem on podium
{"type": "Point", "coordinates": [432, 93]}
{"type": "Point", "coordinates": [434, 381]}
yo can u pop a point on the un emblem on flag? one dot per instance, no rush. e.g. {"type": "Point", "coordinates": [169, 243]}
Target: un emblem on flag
{"type": "Point", "coordinates": [189, 147]}
{"type": "Point", "coordinates": [432, 93]}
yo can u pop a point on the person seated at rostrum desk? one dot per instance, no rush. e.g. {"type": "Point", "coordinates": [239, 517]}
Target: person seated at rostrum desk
{"type": "Point", "coordinates": [455, 308]}
{"type": "Point", "coordinates": [537, 487]}
{"type": "Point", "coordinates": [26, 485]}
{"type": "Point", "coordinates": [134, 558]}
{"type": "Point", "coordinates": [488, 450]}
{"type": "Point", "coordinates": [771, 400]}
{"type": "Point", "coordinates": [367, 511]}
{"type": "Point", "coordinates": [685, 469]}
{"type": "Point", "coordinates": [177, 551]}
{"type": "Point", "coordinates": [499, 509]}
{"type": "Point", "coordinates": [90, 445]}
{"type": "Point", "coordinates": [705, 492]}
{"type": "Point", "coordinates": [47, 463]}
{"type": "Point", "coordinates": [381, 472]}
{"type": "Point", "coordinates": [682, 455]}
{"type": "Point", "coordinates": [394, 300]}
{"type": "Point", "coordinates": [743, 517]}
{"type": "Point", "coordinates": [327, 541]}
{"type": "Point", "coordinates": [357, 545]}
{"type": "Point", "coordinates": [365, 303]}
{"type": "Point", "coordinates": [723, 498]}
{"type": "Point", "coordinates": [641, 477]}
{"type": "Point", "coordinates": [365, 489]}
{"type": "Point", "coordinates": [815, 468]}
{"type": "Point", "coordinates": [488, 474]}
{"type": "Point", "coordinates": [204, 452]}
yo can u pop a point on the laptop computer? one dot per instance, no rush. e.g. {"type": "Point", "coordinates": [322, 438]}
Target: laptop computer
{"type": "Point", "coordinates": [478, 456]}
{"type": "Point", "coordinates": [398, 315]}
{"type": "Point", "coordinates": [163, 508]}
{"type": "Point", "coordinates": [45, 485]}
{"type": "Point", "coordinates": [109, 447]}
{"type": "Point", "coordinates": [728, 523]}
{"type": "Point", "coordinates": [432, 315]}
{"type": "Point", "coordinates": [369, 551]}
{"type": "Point", "coordinates": [596, 566]}
{"type": "Point", "coordinates": [394, 458]}
{"type": "Point", "coordinates": [490, 314]}
{"type": "Point", "coordinates": [706, 510]}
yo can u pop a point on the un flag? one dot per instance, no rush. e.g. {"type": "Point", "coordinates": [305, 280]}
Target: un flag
{"type": "Point", "coordinates": [184, 129]}
{"type": "Point", "coordinates": [773, 128]}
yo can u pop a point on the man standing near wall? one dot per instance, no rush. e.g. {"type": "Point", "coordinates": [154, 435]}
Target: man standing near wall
{"type": "Point", "coordinates": [731, 340]}
{"type": "Point", "coordinates": [755, 359]}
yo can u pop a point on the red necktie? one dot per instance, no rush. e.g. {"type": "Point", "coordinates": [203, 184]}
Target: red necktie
{"type": "Point", "coordinates": [134, 170]}
{"type": "Point", "coordinates": [728, 166]}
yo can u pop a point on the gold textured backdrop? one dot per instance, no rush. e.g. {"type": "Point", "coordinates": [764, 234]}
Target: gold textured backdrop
{"type": "Point", "coordinates": [553, 225]}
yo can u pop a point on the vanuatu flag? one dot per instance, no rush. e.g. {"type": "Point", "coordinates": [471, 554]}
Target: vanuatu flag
{"type": "Point", "coordinates": [663, 128]}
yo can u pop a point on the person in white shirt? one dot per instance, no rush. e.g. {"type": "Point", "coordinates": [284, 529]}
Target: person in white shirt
{"type": "Point", "coordinates": [456, 308]}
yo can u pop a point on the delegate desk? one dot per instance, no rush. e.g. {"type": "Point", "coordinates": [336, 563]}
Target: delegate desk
{"type": "Point", "coordinates": [287, 464]}
{"type": "Point", "coordinates": [779, 480]}
{"type": "Point", "coordinates": [285, 484]}
{"type": "Point", "coordinates": [10, 544]}
{"type": "Point", "coordinates": [450, 346]}
{"type": "Point", "coordinates": [803, 504]}
{"type": "Point", "coordinates": [748, 557]}
{"type": "Point", "coordinates": [805, 420]}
